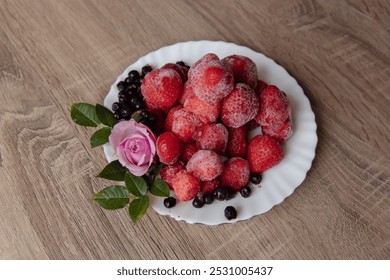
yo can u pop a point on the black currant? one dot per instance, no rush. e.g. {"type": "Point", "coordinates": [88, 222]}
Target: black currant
{"type": "Point", "coordinates": [230, 213]}
{"type": "Point", "coordinates": [146, 69]}
{"type": "Point", "coordinates": [221, 193]}
{"type": "Point", "coordinates": [208, 198]}
{"type": "Point", "coordinates": [170, 202]}
{"type": "Point", "coordinates": [121, 85]}
{"type": "Point", "coordinates": [255, 178]}
{"type": "Point", "coordinates": [245, 191]}
{"type": "Point", "coordinates": [133, 75]}
{"type": "Point", "coordinates": [115, 106]}
{"type": "Point", "coordinates": [198, 202]}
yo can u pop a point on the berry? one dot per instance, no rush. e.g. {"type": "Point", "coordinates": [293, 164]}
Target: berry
{"type": "Point", "coordinates": [185, 124]}
{"type": "Point", "coordinates": [205, 112]}
{"type": "Point", "coordinates": [115, 106]}
{"type": "Point", "coordinates": [209, 186]}
{"type": "Point", "coordinates": [213, 137]}
{"type": "Point", "coordinates": [185, 185]}
{"type": "Point", "coordinates": [125, 113]}
{"type": "Point", "coordinates": [205, 58]}
{"type": "Point", "coordinates": [239, 107]}
{"type": "Point", "coordinates": [245, 191]}
{"type": "Point", "coordinates": [123, 97]}
{"type": "Point", "coordinates": [170, 202]}
{"type": "Point", "coordinates": [255, 178]}
{"type": "Point", "coordinates": [208, 198]}
{"type": "Point", "coordinates": [261, 85]}
{"type": "Point", "coordinates": [162, 88]}
{"type": "Point", "coordinates": [230, 213]}
{"type": "Point", "coordinates": [237, 142]}
{"type": "Point", "coordinates": [189, 150]}
{"type": "Point", "coordinates": [133, 75]}
{"type": "Point", "coordinates": [187, 92]}
{"type": "Point", "coordinates": [198, 202]}
{"type": "Point", "coordinates": [206, 165]}
{"type": "Point", "coordinates": [169, 148]}
{"type": "Point", "coordinates": [179, 69]}
{"type": "Point", "coordinates": [121, 85]}
{"type": "Point", "coordinates": [280, 133]}
{"type": "Point", "coordinates": [169, 119]}
{"type": "Point", "coordinates": [274, 107]}
{"type": "Point", "coordinates": [224, 193]}
{"type": "Point", "coordinates": [264, 152]}
{"type": "Point", "coordinates": [235, 173]}
{"type": "Point", "coordinates": [146, 69]}
{"type": "Point", "coordinates": [211, 81]}
{"type": "Point", "coordinates": [136, 103]}
{"type": "Point", "coordinates": [168, 172]}
{"type": "Point", "coordinates": [244, 69]}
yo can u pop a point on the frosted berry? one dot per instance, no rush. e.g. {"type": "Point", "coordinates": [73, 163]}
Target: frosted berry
{"type": "Point", "coordinates": [244, 69]}
{"type": "Point", "coordinates": [185, 124]}
{"type": "Point", "coordinates": [235, 173]}
{"type": "Point", "coordinates": [185, 186]}
{"type": "Point", "coordinates": [169, 172]}
{"type": "Point", "coordinates": [213, 137]}
{"type": "Point", "coordinates": [205, 112]}
{"type": "Point", "coordinates": [209, 186]}
{"type": "Point", "coordinates": [189, 150]}
{"type": "Point", "coordinates": [237, 142]}
{"type": "Point", "coordinates": [264, 152]}
{"type": "Point", "coordinates": [206, 165]}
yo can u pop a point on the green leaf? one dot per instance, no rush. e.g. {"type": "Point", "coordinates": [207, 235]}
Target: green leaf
{"type": "Point", "coordinates": [113, 171]}
{"type": "Point", "coordinates": [105, 115]}
{"type": "Point", "coordinates": [100, 137]}
{"type": "Point", "coordinates": [160, 188]}
{"type": "Point", "coordinates": [138, 208]}
{"type": "Point", "coordinates": [136, 185]}
{"type": "Point", "coordinates": [136, 117]}
{"type": "Point", "coordinates": [84, 114]}
{"type": "Point", "coordinates": [112, 198]}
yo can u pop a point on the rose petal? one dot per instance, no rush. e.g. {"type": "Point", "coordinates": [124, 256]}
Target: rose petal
{"type": "Point", "coordinates": [120, 131]}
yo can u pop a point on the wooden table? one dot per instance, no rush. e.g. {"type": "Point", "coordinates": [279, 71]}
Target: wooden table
{"type": "Point", "coordinates": [55, 53]}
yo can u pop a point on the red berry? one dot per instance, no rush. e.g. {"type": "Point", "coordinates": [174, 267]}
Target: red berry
{"type": "Point", "coordinates": [169, 118]}
{"type": "Point", "coordinates": [205, 112]}
{"type": "Point", "coordinates": [244, 69]}
{"type": "Point", "coordinates": [179, 69]}
{"type": "Point", "coordinates": [239, 107]}
{"type": "Point", "coordinates": [161, 88]}
{"type": "Point", "coordinates": [185, 185]}
{"type": "Point", "coordinates": [209, 186]}
{"type": "Point", "coordinates": [185, 124]}
{"type": "Point", "coordinates": [274, 107]}
{"type": "Point", "coordinates": [211, 81]}
{"type": "Point", "coordinates": [189, 150]}
{"type": "Point", "coordinates": [169, 172]}
{"type": "Point", "coordinates": [261, 85]}
{"type": "Point", "coordinates": [235, 173]}
{"type": "Point", "coordinates": [187, 92]}
{"type": "Point", "coordinates": [237, 142]}
{"type": "Point", "coordinates": [280, 133]}
{"type": "Point", "coordinates": [264, 152]}
{"type": "Point", "coordinates": [205, 58]}
{"type": "Point", "coordinates": [206, 165]}
{"type": "Point", "coordinates": [169, 148]}
{"type": "Point", "coordinates": [213, 137]}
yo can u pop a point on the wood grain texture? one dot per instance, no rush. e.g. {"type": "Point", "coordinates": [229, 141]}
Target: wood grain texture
{"type": "Point", "coordinates": [55, 53]}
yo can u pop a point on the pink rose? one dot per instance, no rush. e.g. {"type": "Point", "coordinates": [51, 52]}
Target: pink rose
{"type": "Point", "coordinates": [135, 145]}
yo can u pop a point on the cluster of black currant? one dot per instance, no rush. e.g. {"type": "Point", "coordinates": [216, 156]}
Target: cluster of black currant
{"type": "Point", "coordinates": [220, 193]}
{"type": "Point", "coordinates": [130, 99]}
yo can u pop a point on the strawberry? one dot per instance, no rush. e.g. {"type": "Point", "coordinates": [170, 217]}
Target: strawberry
{"type": "Point", "coordinates": [189, 150]}
{"type": "Point", "coordinates": [235, 173]}
{"type": "Point", "coordinates": [209, 186]}
{"type": "Point", "coordinates": [169, 119]}
{"type": "Point", "coordinates": [280, 133]}
{"type": "Point", "coordinates": [185, 185]}
{"type": "Point", "coordinates": [244, 69]}
{"type": "Point", "coordinates": [179, 69]}
{"type": "Point", "coordinates": [168, 172]}
{"type": "Point", "coordinates": [169, 148]}
{"type": "Point", "coordinates": [206, 165]}
{"type": "Point", "coordinates": [264, 152]}
{"type": "Point", "coordinates": [205, 112]}
{"type": "Point", "coordinates": [213, 137]}
{"type": "Point", "coordinates": [185, 124]}
{"type": "Point", "coordinates": [237, 142]}
{"type": "Point", "coordinates": [161, 88]}
{"type": "Point", "coordinates": [187, 92]}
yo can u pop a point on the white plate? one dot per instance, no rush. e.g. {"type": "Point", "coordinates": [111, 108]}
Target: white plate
{"type": "Point", "coordinates": [278, 182]}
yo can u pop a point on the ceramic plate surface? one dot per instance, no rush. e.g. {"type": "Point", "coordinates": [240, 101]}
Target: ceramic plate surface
{"type": "Point", "coordinates": [278, 182]}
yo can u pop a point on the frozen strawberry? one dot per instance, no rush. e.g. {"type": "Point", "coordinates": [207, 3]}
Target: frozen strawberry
{"type": "Point", "coordinates": [185, 186]}
{"type": "Point", "coordinates": [213, 137]}
{"type": "Point", "coordinates": [168, 172]}
{"type": "Point", "coordinates": [261, 85]}
{"type": "Point", "coordinates": [205, 112]}
{"type": "Point", "coordinates": [235, 173]}
{"type": "Point", "coordinates": [179, 69]}
{"type": "Point", "coordinates": [185, 124]}
{"type": "Point", "coordinates": [211, 81]}
{"type": "Point", "coordinates": [169, 147]}
{"type": "Point", "coordinates": [187, 92]}
{"type": "Point", "coordinates": [206, 165]}
{"type": "Point", "coordinates": [189, 150]}
{"type": "Point", "coordinates": [209, 186]}
{"type": "Point", "coordinates": [280, 133]}
{"type": "Point", "coordinates": [274, 107]}
{"type": "Point", "coordinates": [237, 142]}
{"type": "Point", "coordinates": [205, 58]}
{"type": "Point", "coordinates": [264, 152]}
{"type": "Point", "coordinates": [169, 118]}
{"type": "Point", "coordinates": [162, 88]}
{"type": "Point", "coordinates": [252, 124]}
{"type": "Point", "coordinates": [244, 69]}
{"type": "Point", "coordinates": [239, 107]}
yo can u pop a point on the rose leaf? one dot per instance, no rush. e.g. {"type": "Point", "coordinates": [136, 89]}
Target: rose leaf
{"type": "Point", "coordinates": [160, 188]}
{"type": "Point", "coordinates": [105, 116]}
{"type": "Point", "coordinates": [112, 198]}
{"type": "Point", "coordinates": [138, 208]}
{"type": "Point", "coordinates": [136, 185]}
{"type": "Point", "coordinates": [84, 114]}
{"type": "Point", "coordinates": [113, 171]}
{"type": "Point", "coordinates": [100, 137]}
